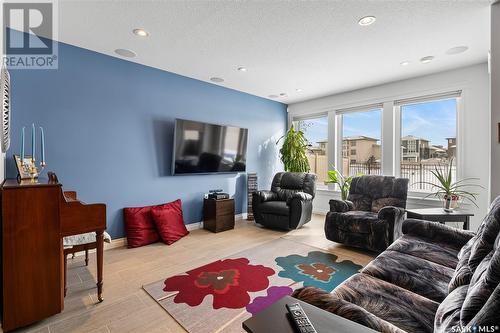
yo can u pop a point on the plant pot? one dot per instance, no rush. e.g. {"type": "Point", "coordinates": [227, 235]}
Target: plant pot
{"type": "Point", "coordinates": [450, 202]}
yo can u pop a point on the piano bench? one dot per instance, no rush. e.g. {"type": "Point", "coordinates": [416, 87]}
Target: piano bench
{"type": "Point", "coordinates": [80, 243]}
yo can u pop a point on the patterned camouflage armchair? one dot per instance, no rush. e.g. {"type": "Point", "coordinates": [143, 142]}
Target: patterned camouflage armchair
{"type": "Point", "coordinates": [372, 215]}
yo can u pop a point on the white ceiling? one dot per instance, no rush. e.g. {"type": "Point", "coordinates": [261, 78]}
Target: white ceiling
{"type": "Point", "coordinates": [316, 46]}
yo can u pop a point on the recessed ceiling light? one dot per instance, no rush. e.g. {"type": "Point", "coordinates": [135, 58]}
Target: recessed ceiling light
{"type": "Point", "coordinates": [405, 63]}
{"type": "Point", "coordinates": [457, 50]}
{"type": "Point", "coordinates": [367, 20]}
{"type": "Point", "coordinates": [298, 90]}
{"type": "Point", "coordinates": [273, 96]}
{"type": "Point", "coordinates": [217, 79]}
{"type": "Point", "coordinates": [242, 69]}
{"type": "Point", "coordinates": [426, 60]}
{"type": "Point", "coordinates": [126, 53]}
{"type": "Point", "coordinates": [140, 32]}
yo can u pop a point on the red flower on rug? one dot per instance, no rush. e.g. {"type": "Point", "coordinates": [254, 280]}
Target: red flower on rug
{"type": "Point", "coordinates": [229, 281]}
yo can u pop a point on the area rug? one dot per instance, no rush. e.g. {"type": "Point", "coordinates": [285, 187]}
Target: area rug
{"type": "Point", "coordinates": [219, 296]}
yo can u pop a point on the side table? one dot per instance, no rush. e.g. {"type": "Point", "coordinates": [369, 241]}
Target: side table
{"type": "Point", "coordinates": [439, 215]}
{"type": "Point", "coordinates": [218, 215]}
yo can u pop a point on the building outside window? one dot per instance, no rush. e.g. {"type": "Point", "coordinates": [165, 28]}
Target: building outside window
{"type": "Point", "coordinates": [415, 149]}
{"type": "Point", "coordinates": [428, 140]}
{"type": "Point", "coordinates": [361, 145]}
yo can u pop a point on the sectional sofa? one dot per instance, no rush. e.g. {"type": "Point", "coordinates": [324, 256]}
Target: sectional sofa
{"type": "Point", "coordinates": [434, 278]}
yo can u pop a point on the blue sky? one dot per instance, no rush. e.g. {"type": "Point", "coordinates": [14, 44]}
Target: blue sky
{"type": "Point", "coordinates": [434, 121]}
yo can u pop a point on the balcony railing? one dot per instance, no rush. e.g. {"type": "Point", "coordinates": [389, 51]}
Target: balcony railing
{"type": "Point", "coordinates": [416, 172]}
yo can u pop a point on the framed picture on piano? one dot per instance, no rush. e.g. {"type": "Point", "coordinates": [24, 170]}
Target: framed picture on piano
{"type": "Point", "coordinates": [23, 171]}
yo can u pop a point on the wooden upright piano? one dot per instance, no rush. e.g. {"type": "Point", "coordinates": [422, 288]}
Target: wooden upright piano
{"type": "Point", "coordinates": [35, 217]}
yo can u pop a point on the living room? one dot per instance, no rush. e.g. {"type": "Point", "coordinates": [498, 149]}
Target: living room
{"type": "Point", "coordinates": [227, 166]}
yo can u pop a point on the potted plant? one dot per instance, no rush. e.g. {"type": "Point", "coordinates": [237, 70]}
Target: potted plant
{"type": "Point", "coordinates": [343, 182]}
{"type": "Point", "coordinates": [293, 152]}
{"type": "Point", "coordinates": [449, 191]}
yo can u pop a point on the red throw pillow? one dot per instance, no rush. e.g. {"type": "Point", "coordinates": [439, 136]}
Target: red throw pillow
{"type": "Point", "coordinates": [169, 221]}
{"type": "Point", "coordinates": [139, 226]}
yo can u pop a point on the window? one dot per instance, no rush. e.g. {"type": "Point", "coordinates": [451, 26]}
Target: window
{"type": "Point", "coordinates": [428, 140]}
{"type": "Point", "coordinates": [316, 132]}
{"type": "Point", "coordinates": [361, 130]}
{"type": "Point", "coordinates": [424, 137]}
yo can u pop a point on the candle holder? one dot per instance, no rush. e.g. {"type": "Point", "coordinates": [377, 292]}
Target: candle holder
{"type": "Point", "coordinates": [26, 165]}
{"type": "Point", "coordinates": [34, 171]}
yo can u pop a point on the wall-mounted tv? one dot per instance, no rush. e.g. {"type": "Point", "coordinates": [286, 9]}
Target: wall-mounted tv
{"type": "Point", "coordinates": [201, 148]}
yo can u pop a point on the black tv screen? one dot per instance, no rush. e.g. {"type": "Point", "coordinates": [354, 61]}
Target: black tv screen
{"type": "Point", "coordinates": [207, 148]}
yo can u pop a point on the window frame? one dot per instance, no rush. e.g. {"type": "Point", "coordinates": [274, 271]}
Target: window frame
{"type": "Point", "coordinates": [292, 120]}
{"type": "Point", "coordinates": [340, 131]}
{"type": "Point", "coordinates": [398, 134]}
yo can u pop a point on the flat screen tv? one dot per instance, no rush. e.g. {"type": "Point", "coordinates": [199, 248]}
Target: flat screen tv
{"type": "Point", "coordinates": [201, 148]}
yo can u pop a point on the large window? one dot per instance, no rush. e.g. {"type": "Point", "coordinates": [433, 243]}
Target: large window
{"type": "Point", "coordinates": [428, 140]}
{"type": "Point", "coordinates": [419, 135]}
{"type": "Point", "coordinates": [316, 132]}
{"type": "Point", "coordinates": [361, 146]}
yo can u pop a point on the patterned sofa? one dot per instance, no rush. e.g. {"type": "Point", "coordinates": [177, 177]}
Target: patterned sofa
{"type": "Point", "coordinates": [433, 279]}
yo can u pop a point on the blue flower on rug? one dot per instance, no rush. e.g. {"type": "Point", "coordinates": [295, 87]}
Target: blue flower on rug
{"type": "Point", "coordinates": [318, 269]}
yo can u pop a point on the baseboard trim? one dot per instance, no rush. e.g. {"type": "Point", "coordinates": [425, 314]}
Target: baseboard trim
{"type": "Point", "coordinates": [119, 242]}
{"type": "Point", "coordinates": [194, 226]}
{"type": "Point", "coordinates": [122, 242]}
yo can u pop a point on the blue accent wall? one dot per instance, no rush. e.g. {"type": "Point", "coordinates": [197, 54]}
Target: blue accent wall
{"type": "Point", "coordinates": [109, 130]}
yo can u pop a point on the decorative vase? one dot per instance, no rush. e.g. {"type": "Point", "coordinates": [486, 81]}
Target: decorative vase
{"type": "Point", "coordinates": [251, 188]}
{"type": "Point", "coordinates": [450, 203]}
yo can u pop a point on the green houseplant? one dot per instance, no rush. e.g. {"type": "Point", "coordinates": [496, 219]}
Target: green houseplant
{"type": "Point", "coordinates": [293, 152]}
{"type": "Point", "coordinates": [451, 191]}
{"type": "Point", "coordinates": [343, 182]}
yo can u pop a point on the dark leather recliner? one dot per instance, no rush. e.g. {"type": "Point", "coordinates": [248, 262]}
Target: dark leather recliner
{"type": "Point", "coordinates": [289, 203]}
{"type": "Point", "coordinates": [372, 216]}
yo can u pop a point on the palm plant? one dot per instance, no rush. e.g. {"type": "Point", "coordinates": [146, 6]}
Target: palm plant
{"type": "Point", "coordinates": [293, 152]}
{"type": "Point", "coordinates": [449, 190]}
{"type": "Point", "coordinates": [343, 182]}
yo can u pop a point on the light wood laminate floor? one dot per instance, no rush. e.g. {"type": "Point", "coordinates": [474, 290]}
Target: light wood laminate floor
{"type": "Point", "coordinates": [128, 308]}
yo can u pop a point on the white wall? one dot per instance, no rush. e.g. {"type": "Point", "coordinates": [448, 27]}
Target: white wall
{"type": "Point", "coordinates": [473, 131]}
{"type": "Point", "coordinates": [495, 100]}
{"type": "Point", "coordinates": [2, 167]}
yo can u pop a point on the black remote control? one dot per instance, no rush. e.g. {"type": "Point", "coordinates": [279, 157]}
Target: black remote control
{"type": "Point", "coordinates": [302, 323]}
